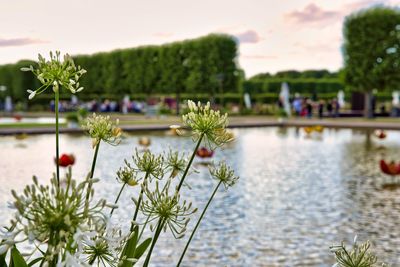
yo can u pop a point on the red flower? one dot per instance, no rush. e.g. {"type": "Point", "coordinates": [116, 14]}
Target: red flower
{"type": "Point", "coordinates": [391, 168]}
{"type": "Point", "coordinates": [203, 152]}
{"type": "Point", "coordinates": [66, 160]}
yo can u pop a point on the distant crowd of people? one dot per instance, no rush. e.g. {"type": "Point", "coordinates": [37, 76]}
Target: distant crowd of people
{"type": "Point", "coordinates": [123, 106]}
{"type": "Point", "coordinates": [306, 107]}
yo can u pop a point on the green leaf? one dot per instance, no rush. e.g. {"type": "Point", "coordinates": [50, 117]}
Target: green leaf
{"type": "Point", "coordinates": [16, 258]}
{"type": "Point", "coordinates": [142, 248]}
{"type": "Point", "coordinates": [3, 260]}
{"type": "Point", "coordinates": [33, 262]}
{"type": "Point", "coordinates": [130, 247]}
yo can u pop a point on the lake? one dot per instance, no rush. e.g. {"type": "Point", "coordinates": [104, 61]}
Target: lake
{"type": "Point", "coordinates": [296, 196]}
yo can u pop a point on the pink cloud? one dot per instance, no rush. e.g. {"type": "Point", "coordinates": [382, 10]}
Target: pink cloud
{"type": "Point", "coordinates": [19, 41]}
{"type": "Point", "coordinates": [249, 36]}
{"type": "Point", "coordinates": [312, 14]}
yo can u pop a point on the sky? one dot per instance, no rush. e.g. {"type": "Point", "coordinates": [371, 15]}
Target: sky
{"type": "Point", "coordinates": [273, 35]}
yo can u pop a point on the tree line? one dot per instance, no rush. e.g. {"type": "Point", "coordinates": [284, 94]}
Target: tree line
{"type": "Point", "coordinates": [206, 65]}
{"type": "Point", "coordinates": [303, 82]}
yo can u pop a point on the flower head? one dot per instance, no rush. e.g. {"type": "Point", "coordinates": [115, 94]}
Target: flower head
{"type": "Point", "coordinates": [99, 247]}
{"type": "Point", "coordinates": [98, 251]}
{"type": "Point", "coordinates": [166, 207]}
{"type": "Point", "coordinates": [149, 163]}
{"type": "Point", "coordinates": [127, 175]}
{"type": "Point", "coordinates": [207, 123]}
{"type": "Point", "coordinates": [56, 73]}
{"type": "Point", "coordinates": [358, 254]}
{"type": "Point", "coordinates": [224, 174]}
{"type": "Point", "coordinates": [52, 215]}
{"type": "Point", "coordinates": [101, 128]}
{"type": "Point", "coordinates": [175, 163]}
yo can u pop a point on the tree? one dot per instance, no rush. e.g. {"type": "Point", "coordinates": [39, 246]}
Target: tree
{"type": "Point", "coordinates": [371, 51]}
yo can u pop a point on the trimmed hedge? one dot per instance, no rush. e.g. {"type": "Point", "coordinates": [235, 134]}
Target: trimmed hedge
{"type": "Point", "coordinates": [302, 86]}
{"type": "Point", "coordinates": [203, 65]}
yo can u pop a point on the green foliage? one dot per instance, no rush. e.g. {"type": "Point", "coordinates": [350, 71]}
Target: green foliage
{"type": "Point", "coordinates": [189, 66]}
{"type": "Point", "coordinates": [265, 87]}
{"type": "Point", "coordinates": [16, 259]}
{"type": "Point", "coordinates": [302, 86]}
{"type": "Point", "coordinates": [358, 256]}
{"type": "Point", "coordinates": [371, 49]}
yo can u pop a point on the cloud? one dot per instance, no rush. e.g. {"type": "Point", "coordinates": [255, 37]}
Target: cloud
{"type": "Point", "coordinates": [19, 41]}
{"type": "Point", "coordinates": [249, 36]}
{"type": "Point", "coordinates": [312, 14]}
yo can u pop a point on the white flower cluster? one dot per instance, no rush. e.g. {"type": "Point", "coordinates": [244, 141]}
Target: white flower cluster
{"type": "Point", "coordinates": [56, 73]}
{"type": "Point", "coordinates": [51, 215]}
{"type": "Point", "coordinates": [101, 128]}
{"type": "Point", "coordinates": [207, 123]}
{"type": "Point", "coordinates": [224, 174]}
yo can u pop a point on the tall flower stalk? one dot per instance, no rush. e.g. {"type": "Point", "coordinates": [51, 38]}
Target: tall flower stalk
{"type": "Point", "coordinates": [56, 73]}
{"type": "Point", "coordinates": [126, 176]}
{"type": "Point", "coordinates": [56, 109]}
{"type": "Point", "coordinates": [225, 176]}
{"type": "Point", "coordinates": [168, 210]}
{"type": "Point", "coordinates": [207, 126]}
{"type": "Point", "coordinates": [153, 167]}
{"type": "Point", "coordinates": [100, 128]}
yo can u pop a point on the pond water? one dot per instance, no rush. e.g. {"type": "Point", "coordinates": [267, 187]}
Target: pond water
{"type": "Point", "coordinates": [296, 196]}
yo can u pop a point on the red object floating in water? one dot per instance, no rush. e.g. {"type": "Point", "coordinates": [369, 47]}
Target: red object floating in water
{"type": "Point", "coordinates": [66, 160]}
{"type": "Point", "coordinates": [203, 152]}
{"type": "Point", "coordinates": [17, 117]}
{"type": "Point", "coordinates": [381, 134]}
{"type": "Point", "coordinates": [390, 168]}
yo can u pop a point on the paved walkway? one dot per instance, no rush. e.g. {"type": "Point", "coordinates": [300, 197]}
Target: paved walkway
{"type": "Point", "coordinates": [235, 122]}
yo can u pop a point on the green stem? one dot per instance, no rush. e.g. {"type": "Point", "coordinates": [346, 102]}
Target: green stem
{"type": "Point", "coordinates": [116, 200]}
{"type": "Point", "coordinates": [161, 223]}
{"type": "Point", "coordinates": [190, 162]}
{"type": "Point", "coordinates": [94, 160]}
{"type": "Point", "coordinates": [138, 203]}
{"type": "Point", "coordinates": [57, 99]}
{"type": "Point", "coordinates": [197, 224]}
{"type": "Point", "coordinates": [148, 217]}
{"type": "Point", "coordinates": [156, 235]}
{"type": "Point", "coordinates": [91, 176]}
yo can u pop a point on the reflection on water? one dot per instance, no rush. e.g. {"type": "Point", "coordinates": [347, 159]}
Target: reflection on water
{"type": "Point", "coordinates": [297, 195]}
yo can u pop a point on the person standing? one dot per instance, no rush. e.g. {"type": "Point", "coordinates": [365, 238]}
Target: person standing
{"type": "Point", "coordinates": [336, 107]}
{"type": "Point", "coordinates": [309, 108]}
{"type": "Point", "coordinates": [321, 105]}
{"type": "Point", "coordinates": [329, 108]}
